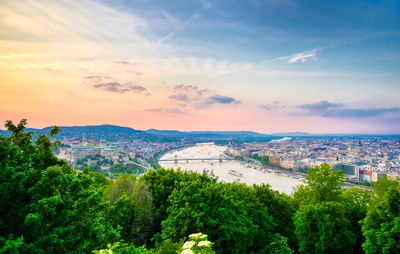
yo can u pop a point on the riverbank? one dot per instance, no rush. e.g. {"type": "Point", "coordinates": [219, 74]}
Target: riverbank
{"type": "Point", "coordinates": [301, 175]}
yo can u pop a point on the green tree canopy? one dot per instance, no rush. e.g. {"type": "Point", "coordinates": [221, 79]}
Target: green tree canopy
{"type": "Point", "coordinates": [381, 227]}
{"type": "Point", "coordinates": [230, 215]}
{"type": "Point", "coordinates": [325, 182]}
{"type": "Point", "coordinates": [323, 228]}
{"type": "Point", "coordinates": [46, 207]}
{"type": "Point", "coordinates": [278, 245]}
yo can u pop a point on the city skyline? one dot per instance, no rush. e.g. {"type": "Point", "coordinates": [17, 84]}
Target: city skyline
{"type": "Point", "coordinates": [266, 66]}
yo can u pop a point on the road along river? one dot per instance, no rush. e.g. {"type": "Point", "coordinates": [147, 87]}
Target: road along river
{"type": "Point", "coordinates": [227, 170]}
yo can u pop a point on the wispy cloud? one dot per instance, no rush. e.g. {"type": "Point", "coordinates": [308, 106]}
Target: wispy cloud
{"type": "Point", "coordinates": [179, 97]}
{"type": "Point", "coordinates": [190, 99]}
{"type": "Point", "coordinates": [52, 21]}
{"type": "Point", "coordinates": [98, 78]}
{"type": "Point", "coordinates": [272, 106]}
{"type": "Point", "coordinates": [127, 63]}
{"type": "Point", "coordinates": [175, 111]}
{"type": "Point", "coordinates": [117, 87]}
{"type": "Point", "coordinates": [327, 109]}
{"type": "Point", "coordinates": [200, 98]}
{"type": "Point", "coordinates": [112, 87]}
{"type": "Point", "coordinates": [191, 88]}
{"type": "Point", "coordinates": [181, 25]}
{"type": "Point", "coordinates": [138, 89]}
{"type": "Point", "coordinates": [302, 56]}
{"type": "Point", "coordinates": [216, 99]}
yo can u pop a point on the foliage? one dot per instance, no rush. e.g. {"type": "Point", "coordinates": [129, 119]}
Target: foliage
{"type": "Point", "coordinates": [130, 208]}
{"type": "Point", "coordinates": [303, 194]}
{"type": "Point", "coordinates": [356, 202]}
{"type": "Point", "coordinates": [46, 207]}
{"type": "Point", "coordinates": [383, 185]}
{"type": "Point", "coordinates": [109, 250]}
{"type": "Point", "coordinates": [49, 206]}
{"type": "Point", "coordinates": [280, 207]}
{"type": "Point", "coordinates": [11, 245]}
{"type": "Point", "coordinates": [323, 228]}
{"type": "Point", "coordinates": [263, 159]}
{"type": "Point", "coordinates": [381, 227]}
{"type": "Point", "coordinates": [228, 213]}
{"type": "Point", "coordinates": [278, 245]}
{"type": "Point", "coordinates": [153, 162]}
{"type": "Point", "coordinates": [128, 168]}
{"type": "Point", "coordinates": [323, 211]}
{"type": "Point", "coordinates": [162, 183]}
{"type": "Point", "coordinates": [99, 178]}
{"type": "Point", "coordinates": [325, 182]}
{"type": "Point", "coordinates": [168, 247]}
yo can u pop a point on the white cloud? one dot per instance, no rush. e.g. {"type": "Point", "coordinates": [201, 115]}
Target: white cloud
{"type": "Point", "coordinates": [301, 57]}
{"type": "Point", "coordinates": [182, 25]}
{"type": "Point", "coordinates": [68, 21]}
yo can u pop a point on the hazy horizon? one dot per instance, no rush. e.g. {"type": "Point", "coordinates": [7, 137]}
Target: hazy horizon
{"type": "Point", "coordinates": [222, 130]}
{"type": "Point", "coordinates": [266, 66]}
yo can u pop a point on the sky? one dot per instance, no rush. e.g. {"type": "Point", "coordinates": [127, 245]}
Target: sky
{"type": "Point", "coordinates": [261, 65]}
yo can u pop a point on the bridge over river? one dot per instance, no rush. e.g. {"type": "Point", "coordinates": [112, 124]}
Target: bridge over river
{"type": "Point", "coordinates": [219, 158]}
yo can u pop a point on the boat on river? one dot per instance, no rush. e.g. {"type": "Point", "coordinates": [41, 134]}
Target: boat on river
{"type": "Point", "coordinates": [235, 173]}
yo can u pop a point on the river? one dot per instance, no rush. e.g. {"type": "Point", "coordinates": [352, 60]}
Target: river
{"type": "Point", "coordinates": [282, 183]}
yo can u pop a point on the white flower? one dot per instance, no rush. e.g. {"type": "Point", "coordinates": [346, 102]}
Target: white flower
{"type": "Point", "coordinates": [188, 245]}
{"type": "Point", "coordinates": [204, 243]}
{"type": "Point", "coordinates": [198, 235]}
{"type": "Point", "coordinates": [203, 236]}
{"type": "Point", "coordinates": [195, 235]}
{"type": "Point", "coordinates": [187, 251]}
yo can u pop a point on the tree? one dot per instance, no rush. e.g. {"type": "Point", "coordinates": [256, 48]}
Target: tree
{"type": "Point", "coordinates": [383, 185]}
{"type": "Point", "coordinates": [323, 228]}
{"type": "Point", "coordinates": [322, 218]}
{"type": "Point", "coordinates": [381, 227]}
{"type": "Point", "coordinates": [325, 182]}
{"type": "Point", "coordinates": [356, 202]}
{"type": "Point", "coordinates": [278, 245]}
{"type": "Point", "coordinates": [220, 210]}
{"type": "Point", "coordinates": [280, 207]}
{"type": "Point", "coordinates": [45, 205]}
{"type": "Point", "coordinates": [162, 183]}
{"type": "Point", "coordinates": [130, 208]}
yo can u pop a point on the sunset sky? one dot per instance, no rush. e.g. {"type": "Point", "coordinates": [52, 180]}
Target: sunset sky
{"type": "Point", "coordinates": [261, 65]}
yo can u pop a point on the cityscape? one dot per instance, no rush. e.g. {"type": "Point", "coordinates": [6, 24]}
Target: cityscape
{"type": "Point", "coordinates": [200, 127]}
{"type": "Point", "coordinates": [364, 159]}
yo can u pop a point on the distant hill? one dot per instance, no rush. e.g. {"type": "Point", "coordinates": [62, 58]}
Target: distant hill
{"type": "Point", "coordinates": [97, 132]}
{"type": "Point", "coordinates": [172, 133]}
{"type": "Point", "coordinates": [115, 132]}
{"type": "Point", "coordinates": [101, 129]}
{"type": "Point", "coordinates": [209, 134]}
{"type": "Point", "coordinates": [293, 134]}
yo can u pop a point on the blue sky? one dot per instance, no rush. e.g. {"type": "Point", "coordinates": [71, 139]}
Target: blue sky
{"type": "Point", "coordinates": [259, 30]}
{"type": "Point", "coordinates": [269, 66]}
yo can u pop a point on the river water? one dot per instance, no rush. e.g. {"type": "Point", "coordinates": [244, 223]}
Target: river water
{"type": "Point", "coordinates": [282, 182]}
